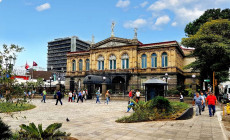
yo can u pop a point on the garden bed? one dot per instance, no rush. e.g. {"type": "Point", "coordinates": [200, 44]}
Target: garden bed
{"type": "Point", "coordinates": [157, 109]}
{"type": "Point", "coordinates": [6, 107]}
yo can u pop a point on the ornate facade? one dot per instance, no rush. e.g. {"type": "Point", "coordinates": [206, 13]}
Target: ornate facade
{"type": "Point", "coordinates": [127, 63]}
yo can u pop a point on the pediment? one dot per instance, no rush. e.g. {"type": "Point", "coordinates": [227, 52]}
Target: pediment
{"type": "Point", "coordinates": [115, 42]}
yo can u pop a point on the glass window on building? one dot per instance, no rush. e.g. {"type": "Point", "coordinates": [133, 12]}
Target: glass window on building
{"type": "Point", "coordinates": [125, 61]}
{"type": "Point", "coordinates": [112, 62]}
{"type": "Point", "coordinates": [144, 61]}
{"type": "Point", "coordinates": [73, 65]}
{"type": "Point", "coordinates": [87, 64]}
{"type": "Point", "coordinates": [154, 60]}
{"type": "Point", "coordinates": [164, 60]}
{"type": "Point", "coordinates": [80, 65]}
{"type": "Point", "coordinates": [100, 62]}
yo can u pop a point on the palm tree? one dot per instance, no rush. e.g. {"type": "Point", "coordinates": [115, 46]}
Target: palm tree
{"type": "Point", "coordinates": [33, 132]}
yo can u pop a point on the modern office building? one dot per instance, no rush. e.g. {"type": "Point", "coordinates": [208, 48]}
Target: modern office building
{"type": "Point", "coordinates": [58, 49]}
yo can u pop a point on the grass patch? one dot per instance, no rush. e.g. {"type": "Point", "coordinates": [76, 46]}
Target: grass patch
{"type": "Point", "coordinates": [156, 109]}
{"type": "Point", "coordinates": [6, 107]}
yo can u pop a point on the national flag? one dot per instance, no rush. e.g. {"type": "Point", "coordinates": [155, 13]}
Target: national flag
{"type": "Point", "coordinates": [34, 63]}
{"type": "Point", "coordinates": [26, 66]}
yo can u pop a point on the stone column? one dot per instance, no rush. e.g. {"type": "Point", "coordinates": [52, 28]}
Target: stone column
{"type": "Point", "coordinates": [104, 88]}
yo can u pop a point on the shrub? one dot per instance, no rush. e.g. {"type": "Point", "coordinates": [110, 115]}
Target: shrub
{"type": "Point", "coordinates": [173, 92]}
{"type": "Point", "coordinates": [161, 103]}
{"type": "Point", "coordinates": [5, 132]}
{"type": "Point", "coordinates": [189, 92]}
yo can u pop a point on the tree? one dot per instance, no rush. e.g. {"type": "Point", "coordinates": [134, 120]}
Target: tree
{"type": "Point", "coordinates": [33, 132]}
{"type": "Point", "coordinates": [212, 49]}
{"type": "Point", "coordinates": [6, 72]}
{"type": "Point", "coordinates": [210, 14]}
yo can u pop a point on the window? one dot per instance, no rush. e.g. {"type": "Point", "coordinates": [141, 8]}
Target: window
{"type": "Point", "coordinates": [87, 64]}
{"type": "Point", "coordinates": [125, 61]}
{"type": "Point", "coordinates": [154, 60]}
{"type": "Point", "coordinates": [112, 62]}
{"type": "Point", "coordinates": [73, 65]}
{"type": "Point", "coordinates": [164, 60]}
{"type": "Point", "coordinates": [100, 62]}
{"type": "Point", "coordinates": [143, 61]}
{"type": "Point", "coordinates": [80, 65]}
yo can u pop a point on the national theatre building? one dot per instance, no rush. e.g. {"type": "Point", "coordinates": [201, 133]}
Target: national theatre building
{"type": "Point", "coordinates": [120, 64]}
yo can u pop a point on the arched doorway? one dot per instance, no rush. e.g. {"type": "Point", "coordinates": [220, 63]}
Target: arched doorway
{"type": "Point", "coordinates": [118, 85]}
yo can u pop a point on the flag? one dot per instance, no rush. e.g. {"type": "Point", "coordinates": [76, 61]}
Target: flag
{"type": "Point", "coordinates": [34, 63]}
{"type": "Point", "coordinates": [26, 66]}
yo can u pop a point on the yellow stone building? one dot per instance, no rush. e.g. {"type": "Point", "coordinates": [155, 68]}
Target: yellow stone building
{"type": "Point", "coordinates": [122, 64]}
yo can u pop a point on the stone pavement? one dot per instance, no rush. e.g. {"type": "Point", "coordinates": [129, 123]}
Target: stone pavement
{"type": "Point", "coordinates": [89, 120]}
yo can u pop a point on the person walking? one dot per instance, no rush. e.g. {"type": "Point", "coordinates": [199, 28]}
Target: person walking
{"type": "Point", "coordinates": [79, 97]}
{"type": "Point", "coordinates": [44, 96]}
{"type": "Point", "coordinates": [198, 102]}
{"type": "Point", "coordinates": [83, 95]}
{"type": "Point", "coordinates": [74, 95]}
{"type": "Point", "coordinates": [58, 96]}
{"type": "Point", "coordinates": [130, 95]}
{"type": "Point", "coordinates": [70, 96]}
{"type": "Point", "coordinates": [98, 96]}
{"type": "Point", "coordinates": [138, 95]}
{"type": "Point", "coordinates": [203, 98]}
{"type": "Point", "coordinates": [211, 101]}
{"type": "Point", "coordinates": [107, 95]}
{"type": "Point", "coordinates": [181, 98]}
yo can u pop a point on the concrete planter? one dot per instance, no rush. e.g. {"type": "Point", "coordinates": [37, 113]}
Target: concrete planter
{"type": "Point", "coordinates": [188, 114]}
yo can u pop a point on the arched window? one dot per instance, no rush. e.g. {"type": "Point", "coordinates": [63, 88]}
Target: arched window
{"type": "Point", "coordinates": [143, 61]}
{"type": "Point", "coordinates": [100, 62]}
{"type": "Point", "coordinates": [154, 60]}
{"type": "Point", "coordinates": [80, 65]}
{"type": "Point", "coordinates": [112, 62]}
{"type": "Point", "coordinates": [125, 61]}
{"type": "Point", "coordinates": [164, 60]}
{"type": "Point", "coordinates": [73, 65]}
{"type": "Point", "coordinates": [87, 64]}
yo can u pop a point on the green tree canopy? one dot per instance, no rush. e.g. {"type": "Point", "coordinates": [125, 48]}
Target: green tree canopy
{"type": "Point", "coordinates": [210, 14]}
{"type": "Point", "coordinates": [212, 49]}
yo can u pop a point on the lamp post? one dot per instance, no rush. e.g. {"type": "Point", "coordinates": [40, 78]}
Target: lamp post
{"type": "Point", "coordinates": [193, 81]}
{"type": "Point", "coordinates": [166, 79]}
{"type": "Point", "coordinates": [50, 84]}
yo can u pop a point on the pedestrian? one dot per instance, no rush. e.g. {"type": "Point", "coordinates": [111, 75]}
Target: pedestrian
{"type": "Point", "coordinates": [181, 98]}
{"type": "Point", "coordinates": [74, 95]}
{"type": "Point", "coordinates": [211, 101]}
{"type": "Point", "coordinates": [58, 96]}
{"type": "Point", "coordinates": [203, 98]}
{"type": "Point", "coordinates": [98, 96]}
{"type": "Point", "coordinates": [29, 94]}
{"type": "Point", "coordinates": [107, 95]}
{"type": "Point", "coordinates": [131, 105]}
{"type": "Point", "coordinates": [70, 96]}
{"type": "Point", "coordinates": [198, 102]}
{"type": "Point", "coordinates": [138, 95]}
{"type": "Point", "coordinates": [33, 92]}
{"type": "Point", "coordinates": [83, 95]}
{"type": "Point", "coordinates": [130, 95]}
{"type": "Point", "coordinates": [44, 96]}
{"type": "Point", "coordinates": [79, 97]}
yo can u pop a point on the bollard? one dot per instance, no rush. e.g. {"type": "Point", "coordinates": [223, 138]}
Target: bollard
{"type": "Point", "coordinates": [228, 108]}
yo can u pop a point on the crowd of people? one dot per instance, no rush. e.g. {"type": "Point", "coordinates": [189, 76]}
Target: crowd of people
{"type": "Point", "coordinates": [205, 99]}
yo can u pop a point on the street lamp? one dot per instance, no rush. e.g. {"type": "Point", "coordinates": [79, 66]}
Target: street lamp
{"type": "Point", "coordinates": [50, 84]}
{"type": "Point", "coordinates": [193, 79]}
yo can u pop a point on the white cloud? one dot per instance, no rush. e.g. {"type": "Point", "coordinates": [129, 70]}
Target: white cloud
{"type": "Point", "coordinates": [159, 5]}
{"type": "Point", "coordinates": [174, 24]}
{"type": "Point", "coordinates": [136, 23]}
{"type": "Point", "coordinates": [144, 4]}
{"type": "Point", "coordinates": [188, 14]}
{"type": "Point", "coordinates": [123, 3]}
{"type": "Point", "coordinates": [162, 20]}
{"type": "Point", "coordinates": [43, 7]}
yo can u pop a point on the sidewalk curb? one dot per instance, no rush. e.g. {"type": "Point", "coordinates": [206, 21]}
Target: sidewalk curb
{"type": "Point", "coordinates": [224, 131]}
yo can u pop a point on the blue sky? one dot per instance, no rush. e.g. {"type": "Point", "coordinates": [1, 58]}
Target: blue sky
{"type": "Point", "coordinates": [33, 23]}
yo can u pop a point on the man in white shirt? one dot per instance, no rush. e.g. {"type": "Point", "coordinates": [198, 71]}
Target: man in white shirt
{"type": "Point", "coordinates": [138, 95]}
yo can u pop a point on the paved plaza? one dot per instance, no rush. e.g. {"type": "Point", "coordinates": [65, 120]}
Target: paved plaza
{"type": "Point", "coordinates": [89, 120]}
